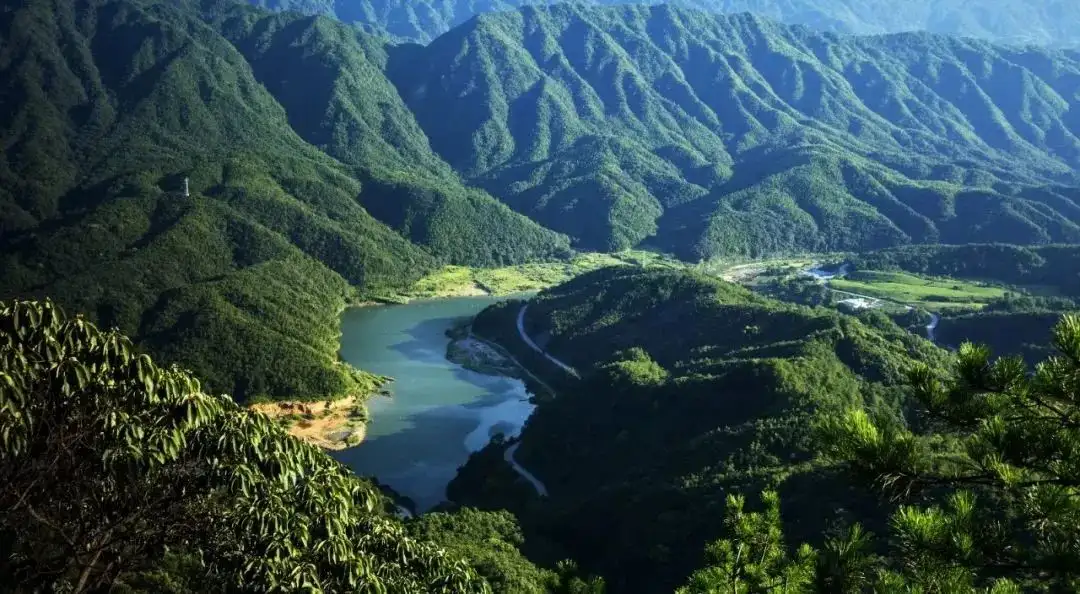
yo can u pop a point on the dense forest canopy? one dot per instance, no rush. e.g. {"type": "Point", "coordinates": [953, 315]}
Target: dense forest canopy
{"type": "Point", "coordinates": [328, 165]}
{"type": "Point", "coordinates": [110, 462]}
{"type": "Point", "coordinates": [709, 135]}
{"type": "Point", "coordinates": [695, 393]}
{"type": "Point", "coordinates": [109, 105]}
{"type": "Point", "coordinates": [218, 181]}
{"type": "Point", "coordinates": [691, 388]}
{"type": "Point", "coordinates": [1043, 22]}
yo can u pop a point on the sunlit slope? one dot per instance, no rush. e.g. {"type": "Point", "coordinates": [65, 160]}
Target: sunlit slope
{"type": "Point", "coordinates": [330, 80]}
{"type": "Point", "coordinates": [107, 107]}
{"type": "Point", "coordinates": [705, 134]}
{"type": "Point", "coordinates": [1044, 22]}
{"type": "Point", "coordinates": [691, 388]}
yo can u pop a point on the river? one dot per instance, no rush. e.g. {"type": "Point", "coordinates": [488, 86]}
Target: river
{"type": "Point", "coordinates": [440, 412]}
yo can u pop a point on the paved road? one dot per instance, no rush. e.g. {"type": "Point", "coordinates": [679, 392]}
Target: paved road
{"type": "Point", "coordinates": [541, 490]}
{"type": "Point", "coordinates": [510, 451]}
{"type": "Point", "coordinates": [529, 341]}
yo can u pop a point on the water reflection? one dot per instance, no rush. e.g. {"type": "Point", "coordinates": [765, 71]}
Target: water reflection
{"type": "Point", "coordinates": [439, 412]}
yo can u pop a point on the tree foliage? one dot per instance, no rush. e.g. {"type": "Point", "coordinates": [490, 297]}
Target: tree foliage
{"type": "Point", "coordinates": [716, 134]}
{"type": "Point", "coordinates": [691, 389]}
{"type": "Point", "coordinates": [113, 103]}
{"type": "Point", "coordinates": [492, 541]}
{"type": "Point", "coordinates": [109, 461]}
{"type": "Point", "coordinates": [755, 558]}
{"type": "Point", "coordinates": [993, 485]}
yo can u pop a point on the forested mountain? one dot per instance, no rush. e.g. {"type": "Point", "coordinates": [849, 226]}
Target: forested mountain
{"type": "Point", "coordinates": [691, 389]}
{"type": "Point", "coordinates": [331, 82]}
{"type": "Point", "coordinates": [1049, 22]}
{"type": "Point", "coordinates": [695, 133]}
{"type": "Point", "coordinates": [120, 475]}
{"type": "Point", "coordinates": [329, 165]}
{"type": "Point", "coordinates": [108, 105]}
{"type": "Point", "coordinates": [705, 134]}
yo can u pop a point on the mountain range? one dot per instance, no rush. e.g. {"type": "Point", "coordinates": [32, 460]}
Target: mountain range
{"type": "Point", "coordinates": [109, 105]}
{"type": "Point", "coordinates": [219, 181]}
{"type": "Point", "coordinates": [327, 164]}
{"type": "Point", "coordinates": [1044, 22]}
{"type": "Point", "coordinates": [704, 134]}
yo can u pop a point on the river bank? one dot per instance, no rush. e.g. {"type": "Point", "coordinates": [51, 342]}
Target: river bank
{"type": "Point", "coordinates": [334, 425]}
{"type": "Point", "coordinates": [440, 411]}
{"type": "Point", "coordinates": [464, 281]}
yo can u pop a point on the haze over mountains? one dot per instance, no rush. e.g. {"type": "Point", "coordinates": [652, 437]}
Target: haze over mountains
{"type": "Point", "coordinates": [1043, 22]}
{"type": "Point", "coordinates": [309, 143]}
{"type": "Point", "coordinates": [331, 165]}
{"type": "Point", "coordinates": [733, 134]}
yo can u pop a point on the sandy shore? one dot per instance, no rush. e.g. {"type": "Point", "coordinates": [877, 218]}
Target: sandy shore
{"type": "Point", "coordinates": [330, 427]}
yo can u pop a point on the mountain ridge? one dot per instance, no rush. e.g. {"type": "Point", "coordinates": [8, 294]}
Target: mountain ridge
{"type": "Point", "coordinates": [110, 105]}
{"type": "Point", "coordinates": [678, 420]}
{"type": "Point", "coordinates": [1008, 21]}
{"type": "Point", "coordinates": [646, 110]}
{"type": "Point", "coordinates": [350, 166]}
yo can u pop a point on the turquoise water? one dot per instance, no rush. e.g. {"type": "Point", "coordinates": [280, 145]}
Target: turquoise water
{"type": "Point", "coordinates": [439, 412]}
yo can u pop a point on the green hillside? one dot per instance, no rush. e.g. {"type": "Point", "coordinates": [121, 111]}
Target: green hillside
{"type": "Point", "coordinates": [109, 105]}
{"type": "Point", "coordinates": [691, 388]}
{"type": "Point", "coordinates": [1044, 22]}
{"type": "Point", "coordinates": [705, 135]}
{"type": "Point", "coordinates": [1051, 270]}
{"type": "Point", "coordinates": [330, 81]}
{"type": "Point", "coordinates": [119, 475]}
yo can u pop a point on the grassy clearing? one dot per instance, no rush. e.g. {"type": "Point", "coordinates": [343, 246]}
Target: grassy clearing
{"type": "Point", "coordinates": [457, 281]}
{"type": "Point", "coordinates": [752, 272]}
{"type": "Point", "coordinates": [931, 293]}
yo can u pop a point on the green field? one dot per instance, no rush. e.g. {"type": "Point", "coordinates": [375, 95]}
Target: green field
{"type": "Point", "coordinates": [453, 281]}
{"type": "Point", "coordinates": [751, 272]}
{"type": "Point", "coordinates": [931, 293]}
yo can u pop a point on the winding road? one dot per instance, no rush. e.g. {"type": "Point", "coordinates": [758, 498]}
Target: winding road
{"type": "Point", "coordinates": [541, 490]}
{"type": "Point", "coordinates": [529, 341]}
{"type": "Point", "coordinates": [511, 450]}
{"type": "Point", "coordinates": [537, 484]}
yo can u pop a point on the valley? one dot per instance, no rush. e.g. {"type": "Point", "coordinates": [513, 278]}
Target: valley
{"type": "Point", "coordinates": [521, 297]}
{"type": "Point", "coordinates": [436, 412]}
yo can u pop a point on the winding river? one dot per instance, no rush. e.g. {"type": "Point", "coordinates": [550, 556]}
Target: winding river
{"type": "Point", "coordinates": [440, 412]}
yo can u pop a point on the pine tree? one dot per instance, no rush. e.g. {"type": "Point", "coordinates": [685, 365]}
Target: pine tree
{"type": "Point", "coordinates": [991, 490]}
{"type": "Point", "coordinates": [754, 558]}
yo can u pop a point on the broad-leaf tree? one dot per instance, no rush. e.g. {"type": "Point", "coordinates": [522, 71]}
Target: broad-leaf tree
{"type": "Point", "coordinates": [109, 460]}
